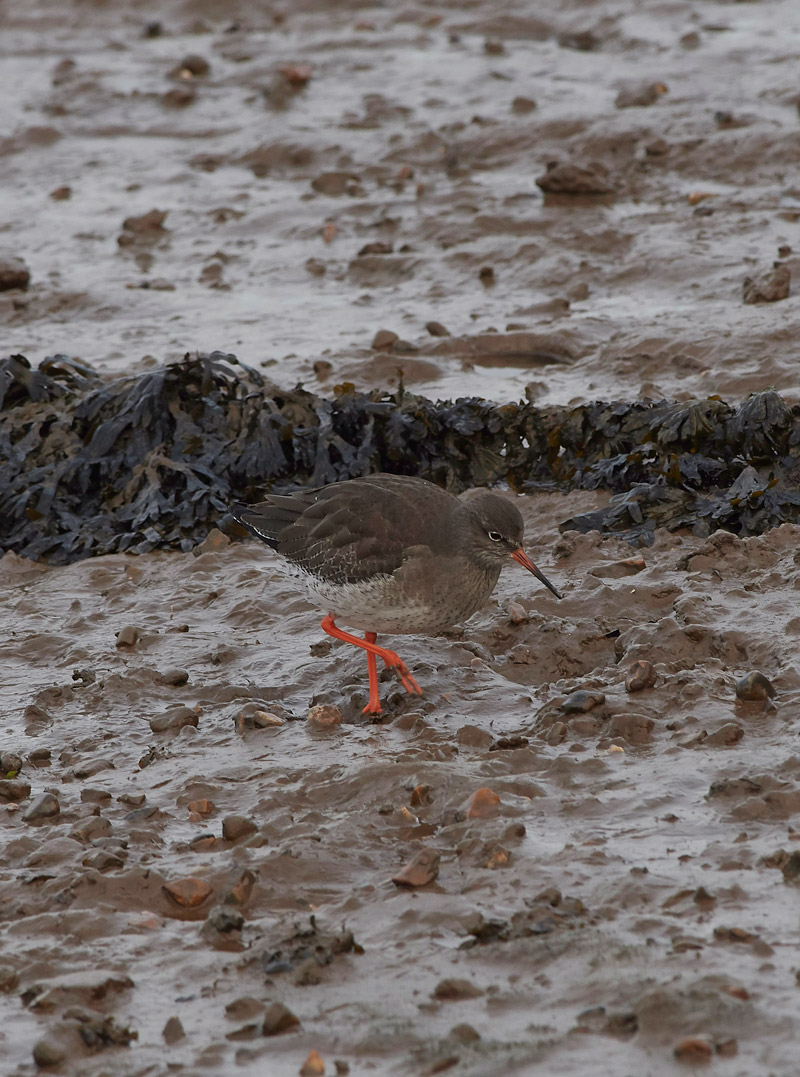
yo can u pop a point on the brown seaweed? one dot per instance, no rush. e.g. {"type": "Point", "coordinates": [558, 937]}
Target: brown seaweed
{"type": "Point", "coordinates": [153, 460]}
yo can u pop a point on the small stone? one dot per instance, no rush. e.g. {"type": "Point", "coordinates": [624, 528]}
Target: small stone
{"type": "Point", "coordinates": [326, 716]}
{"type": "Point", "coordinates": [95, 796]}
{"type": "Point", "coordinates": [172, 1031]}
{"type": "Point", "coordinates": [191, 66]}
{"type": "Point", "coordinates": [240, 891]}
{"type": "Point", "coordinates": [13, 273]}
{"type": "Point", "coordinates": [214, 542]}
{"type": "Point", "coordinates": [384, 339]}
{"type": "Point", "coordinates": [179, 97]}
{"type": "Point", "coordinates": [471, 736]}
{"type": "Point", "coordinates": [322, 369]}
{"type": "Point", "coordinates": [420, 795]}
{"type": "Point", "coordinates": [10, 764]}
{"type": "Point", "coordinates": [483, 803]}
{"type": "Point", "coordinates": [175, 677]}
{"type": "Point", "coordinates": [313, 1066]}
{"type": "Point", "coordinates": [517, 613]}
{"type": "Point", "coordinates": [48, 1051]}
{"type": "Point", "coordinates": [486, 274]}
{"type": "Point", "coordinates": [13, 789]}
{"type": "Point", "coordinates": [296, 75]}
{"type": "Point", "coordinates": [45, 806]}
{"type": "Point", "coordinates": [641, 676]}
{"type": "Point", "coordinates": [454, 990]}
{"type": "Point", "coordinates": [224, 919]}
{"type": "Point", "coordinates": [127, 636]}
{"type": "Point", "coordinates": [436, 329]}
{"type": "Point", "coordinates": [316, 268]}
{"type": "Point", "coordinates": [791, 869]}
{"type": "Point", "coordinates": [754, 687]}
{"type": "Point", "coordinates": [377, 247]}
{"type": "Point", "coordinates": [9, 978]}
{"type": "Point", "coordinates": [244, 1008]}
{"type": "Point", "coordinates": [236, 827]}
{"type": "Point", "coordinates": [568, 178]}
{"type": "Point", "coordinates": [61, 194]}
{"type": "Point", "coordinates": [279, 1019]}
{"type": "Point", "coordinates": [581, 701]}
{"type": "Point", "coordinates": [727, 1048]}
{"type": "Point", "coordinates": [498, 858]}
{"type": "Point", "coordinates": [556, 734]}
{"type": "Point", "coordinates": [523, 105]}
{"type": "Point", "coordinates": [640, 96]}
{"type": "Point", "coordinates": [335, 184]}
{"type": "Point", "coordinates": [201, 807]}
{"type": "Point", "coordinates": [174, 718]}
{"type": "Point", "coordinates": [464, 1033]}
{"type": "Point", "coordinates": [616, 570]}
{"type": "Point", "coordinates": [769, 287]}
{"type": "Point", "coordinates": [694, 1051]}
{"type": "Point", "coordinates": [657, 148]}
{"type": "Point", "coordinates": [726, 735]}
{"type": "Point", "coordinates": [492, 46]}
{"type": "Point", "coordinates": [188, 893]}
{"type": "Point", "coordinates": [420, 870]}
{"type": "Point", "coordinates": [633, 728]}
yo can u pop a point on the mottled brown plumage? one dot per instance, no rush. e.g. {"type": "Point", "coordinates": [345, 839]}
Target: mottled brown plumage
{"type": "Point", "coordinates": [392, 553]}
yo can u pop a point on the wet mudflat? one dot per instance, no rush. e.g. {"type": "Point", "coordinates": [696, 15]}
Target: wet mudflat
{"type": "Point", "coordinates": [577, 853]}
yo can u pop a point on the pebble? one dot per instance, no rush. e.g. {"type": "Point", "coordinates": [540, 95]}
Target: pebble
{"type": "Point", "coordinates": [452, 989]}
{"type": "Point", "coordinates": [640, 96]}
{"type": "Point", "coordinates": [420, 870]}
{"type": "Point", "coordinates": [768, 287]}
{"type": "Point", "coordinates": [517, 613]}
{"type": "Point", "coordinates": [325, 716]}
{"type": "Point", "coordinates": [581, 701]}
{"type": "Point", "coordinates": [521, 106]}
{"type": "Point", "coordinates": [127, 636]}
{"type": "Point", "coordinates": [420, 795]}
{"type": "Point", "coordinates": [174, 677]}
{"type": "Point", "coordinates": [384, 339]}
{"type": "Point", "coordinates": [727, 734]}
{"type": "Point", "coordinates": [567, 178]}
{"type": "Point", "coordinates": [188, 893]}
{"type": "Point", "coordinates": [791, 869]}
{"type": "Point", "coordinates": [174, 718]}
{"type": "Point", "coordinates": [45, 806]}
{"type": "Point", "coordinates": [313, 1066]}
{"type": "Point", "coordinates": [279, 1019]}
{"type": "Point", "coordinates": [172, 1031]}
{"type": "Point", "coordinates": [483, 803]}
{"type": "Point", "coordinates": [191, 66]}
{"type": "Point", "coordinates": [641, 676]}
{"type": "Point", "coordinates": [13, 273]}
{"type": "Point", "coordinates": [634, 728]}
{"type": "Point", "coordinates": [754, 687]}
{"type": "Point", "coordinates": [224, 919]}
{"type": "Point", "coordinates": [335, 184]}
{"type": "Point", "coordinates": [214, 542]}
{"type": "Point", "coordinates": [616, 570]}
{"type": "Point", "coordinates": [10, 764]}
{"type": "Point", "coordinates": [556, 734]}
{"type": "Point", "coordinates": [471, 736]}
{"type": "Point", "coordinates": [436, 329]}
{"type": "Point", "coordinates": [14, 789]}
{"type": "Point", "coordinates": [236, 827]}
{"type": "Point", "coordinates": [694, 1051]}
{"type": "Point", "coordinates": [201, 807]}
{"type": "Point", "coordinates": [464, 1033]}
{"type": "Point", "coordinates": [9, 978]}
{"type": "Point", "coordinates": [48, 1051]}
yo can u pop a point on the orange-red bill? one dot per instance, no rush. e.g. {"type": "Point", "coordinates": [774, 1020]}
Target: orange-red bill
{"type": "Point", "coordinates": [522, 559]}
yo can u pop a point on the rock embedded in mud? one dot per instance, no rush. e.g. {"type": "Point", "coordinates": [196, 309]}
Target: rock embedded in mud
{"type": "Point", "coordinates": [420, 870]}
{"type": "Point", "coordinates": [325, 716]}
{"type": "Point", "coordinates": [173, 1032]}
{"type": "Point", "coordinates": [517, 613]}
{"type": "Point", "coordinates": [472, 736]}
{"type": "Point", "coordinates": [768, 287]}
{"type": "Point", "coordinates": [236, 827]}
{"type": "Point", "coordinates": [641, 676]}
{"type": "Point", "coordinates": [336, 184]}
{"type": "Point", "coordinates": [383, 340]}
{"type": "Point", "coordinates": [12, 789]}
{"type": "Point", "coordinates": [581, 701]}
{"type": "Point", "coordinates": [13, 273]}
{"type": "Point", "coordinates": [453, 989]}
{"type": "Point", "coordinates": [754, 687]}
{"type": "Point", "coordinates": [436, 329]}
{"type": "Point", "coordinates": [791, 869]}
{"type": "Point", "coordinates": [279, 1019]}
{"type": "Point", "coordinates": [483, 804]}
{"type": "Point", "coordinates": [725, 736]}
{"type": "Point", "coordinates": [45, 806]}
{"type": "Point", "coordinates": [634, 728]}
{"type": "Point", "coordinates": [174, 719]}
{"type": "Point", "coordinates": [563, 177]}
{"type": "Point", "coordinates": [521, 106]}
{"type": "Point", "coordinates": [127, 636]}
{"type": "Point", "coordinates": [192, 66]}
{"type": "Point", "coordinates": [616, 570]}
{"type": "Point", "coordinates": [174, 678]}
{"type": "Point", "coordinates": [188, 893]}
{"type": "Point", "coordinates": [693, 1051]}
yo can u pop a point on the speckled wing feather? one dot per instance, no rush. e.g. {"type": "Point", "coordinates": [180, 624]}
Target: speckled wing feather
{"type": "Point", "coordinates": [348, 532]}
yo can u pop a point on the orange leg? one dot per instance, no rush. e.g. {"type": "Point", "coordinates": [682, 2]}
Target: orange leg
{"type": "Point", "coordinates": [369, 645]}
{"type": "Point", "coordinates": [374, 705]}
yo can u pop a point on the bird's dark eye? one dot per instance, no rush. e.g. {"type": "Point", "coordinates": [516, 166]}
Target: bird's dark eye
{"type": "Point", "coordinates": [495, 536]}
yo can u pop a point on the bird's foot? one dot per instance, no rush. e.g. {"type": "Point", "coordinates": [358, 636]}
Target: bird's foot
{"type": "Point", "coordinates": [395, 662]}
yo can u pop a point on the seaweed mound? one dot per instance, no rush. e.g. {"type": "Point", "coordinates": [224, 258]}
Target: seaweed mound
{"type": "Point", "coordinates": [152, 461]}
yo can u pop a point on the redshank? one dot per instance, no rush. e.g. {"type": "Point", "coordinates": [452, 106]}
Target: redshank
{"type": "Point", "coordinates": [392, 553]}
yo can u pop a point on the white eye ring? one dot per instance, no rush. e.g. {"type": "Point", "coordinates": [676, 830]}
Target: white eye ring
{"type": "Point", "coordinates": [495, 536]}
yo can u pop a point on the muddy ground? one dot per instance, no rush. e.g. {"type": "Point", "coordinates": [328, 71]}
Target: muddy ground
{"type": "Point", "coordinates": [627, 902]}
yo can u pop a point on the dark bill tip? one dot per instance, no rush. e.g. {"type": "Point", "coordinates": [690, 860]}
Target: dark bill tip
{"type": "Point", "coordinates": [522, 559]}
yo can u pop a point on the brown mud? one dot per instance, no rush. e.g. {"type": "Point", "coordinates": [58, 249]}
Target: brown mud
{"type": "Point", "coordinates": [197, 879]}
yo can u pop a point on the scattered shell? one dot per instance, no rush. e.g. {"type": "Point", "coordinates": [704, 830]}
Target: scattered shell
{"type": "Point", "coordinates": [420, 870]}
